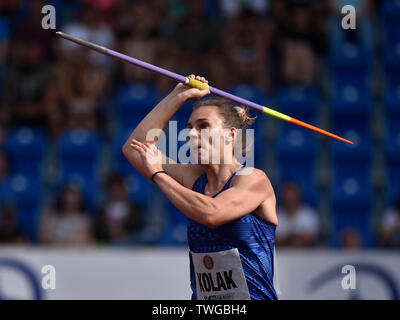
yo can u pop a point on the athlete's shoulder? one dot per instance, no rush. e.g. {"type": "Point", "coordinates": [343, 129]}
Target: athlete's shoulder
{"type": "Point", "coordinates": [253, 176]}
{"type": "Point", "coordinates": [252, 173]}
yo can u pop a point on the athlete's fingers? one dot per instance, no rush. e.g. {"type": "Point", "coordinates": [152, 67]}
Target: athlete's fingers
{"type": "Point", "coordinates": [138, 149]}
{"type": "Point", "coordinates": [148, 145]}
{"type": "Point", "coordinates": [138, 144]}
{"type": "Point", "coordinates": [202, 79]}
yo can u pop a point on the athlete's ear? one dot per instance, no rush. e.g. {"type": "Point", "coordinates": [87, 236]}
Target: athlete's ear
{"type": "Point", "coordinates": [231, 134]}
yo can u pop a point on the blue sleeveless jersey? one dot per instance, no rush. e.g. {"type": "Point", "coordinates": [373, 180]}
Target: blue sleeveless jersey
{"type": "Point", "coordinates": [254, 239]}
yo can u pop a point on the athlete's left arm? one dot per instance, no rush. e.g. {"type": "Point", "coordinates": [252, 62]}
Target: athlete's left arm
{"type": "Point", "coordinates": [245, 194]}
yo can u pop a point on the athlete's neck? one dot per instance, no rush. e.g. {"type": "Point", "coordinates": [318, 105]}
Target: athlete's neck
{"type": "Point", "coordinates": [218, 175]}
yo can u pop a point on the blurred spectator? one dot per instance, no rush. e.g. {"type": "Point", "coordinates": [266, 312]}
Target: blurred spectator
{"type": "Point", "coordinates": [67, 223]}
{"type": "Point", "coordinates": [196, 25]}
{"type": "Point", "coordinates": [153, 17]}
{"type": "Point", "coordinates": [79, 79]}
{"type": "Point", "coordinates": [120, 219]}
{"type": "Point", "coordinates": [168, 56]}
{"type": "Point", "coordinates": [164, 17]}
{"type": "Point", "coordinates": [246, 43]}
{"type": "Point", "coordinates": [82, 115]}
{"type": "Point", "coordinates": [298, 223]}
{"type": "Point", "coordinates": [89, 27]}
{"type": "Point", "coordinates": [28, 78]}
{"type": "Point", "coordinates": [298, 61]}
{"type": "Point", "coordinates": [139, 41]}
{"type": "Point", "coordinates": [27, 26]}
{"type": "Point", "coordinates": [319, 34]}
{"type": "Point", "coordinates": [82, 88]}
{"type": "Point", "coordinates": [350, 239]}
{"type": "Point", "coordinates": [219, 69]}
{"type": "Point", "coordinates": [10, 233]}
{"type": "Point", "coordinates": [232, 8]}
{"type": "Point", "coordinates": [390, 226]}
{"type": "Point", "coordinates": [4, 166]}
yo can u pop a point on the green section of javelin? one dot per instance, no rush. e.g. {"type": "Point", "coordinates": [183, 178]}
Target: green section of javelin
{"type": "Point", "coordinates": [276, 114]}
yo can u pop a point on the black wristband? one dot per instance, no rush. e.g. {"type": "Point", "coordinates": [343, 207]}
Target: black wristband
{"type": "Point", "coordinates": [154, 174]}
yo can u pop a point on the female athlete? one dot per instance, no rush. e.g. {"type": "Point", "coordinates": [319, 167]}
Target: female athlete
{"type": "Point", "coordinates": [231, 208]}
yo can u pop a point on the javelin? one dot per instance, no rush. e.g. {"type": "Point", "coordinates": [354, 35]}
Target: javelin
{"type": "Point", "coordinates": [197, 84]}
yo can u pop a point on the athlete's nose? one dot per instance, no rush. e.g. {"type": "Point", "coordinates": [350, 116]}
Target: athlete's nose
{"type": "Point", "coordinates": [192, 135]}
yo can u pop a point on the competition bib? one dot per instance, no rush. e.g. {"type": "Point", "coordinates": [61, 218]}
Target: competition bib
{"type": "Point", "coordinates": [219, 276]}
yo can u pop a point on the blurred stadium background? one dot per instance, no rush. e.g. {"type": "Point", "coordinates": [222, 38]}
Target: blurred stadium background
{"type": "Point", "coordinates": [65, 113]}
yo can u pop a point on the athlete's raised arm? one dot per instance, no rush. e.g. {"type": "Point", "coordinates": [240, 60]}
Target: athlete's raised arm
{"type": "Point", "coordinates": [156, 119]}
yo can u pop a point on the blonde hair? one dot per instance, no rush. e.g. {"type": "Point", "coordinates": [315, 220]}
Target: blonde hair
{"type": "Point", "coordinates": [243, 115]}
{"type": "Point", "coordinates": [232, 115]}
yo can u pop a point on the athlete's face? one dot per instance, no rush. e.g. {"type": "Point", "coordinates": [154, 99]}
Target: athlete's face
{"type": "Point", "coordinates": [210, 141]}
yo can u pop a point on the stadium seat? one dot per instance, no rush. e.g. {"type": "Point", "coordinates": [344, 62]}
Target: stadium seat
{"type": "Point", "coordinates": [392, 143]}
{"type": "Point", "coordinates": [296, 156]}
{"type": "Point", "coordinates": [296, 143]}
{"type": "Point", "coordinates": [78, 152]}
{"type": "Point", "coordinates": [304, 97]}
{"type": "Point", "coordinates": [361, 36]}
{"type": "Point", "coordinates": [78, 158]}
{"type": "Point", "coordinates": [350, 103]}
{"type": "Point", "coordinates": [351, 186]}
{"type": "Point", "coordinates": [119, 161]}
{"type": "Point", "coordinates": [249, 92]}
{"type": "Point", "coordinates": [391, 46]}
{"type": "Point", "coordinates": [351, 200]}
{"type": "Point", "coordinates": [140, 189]}
{"type": "Point", "coordinates": [350, 94]}
{"type": "Point", "coordinates": [5, 29]}
{"type": "Point", "coordinates": [390, 10]}
{"type": "Point", "coordinates": [351, 169]}
{"type": "Point", "coordinates": [392, 158]}
{"type": "Point", "coordinates": [26, 194]}
{"type": "Point", "coordinates": [298, 102]}
{"type": "Point", "coordinates": [392, 185]}
{"type": "Point", "coordinates": [391, 94]}
{"type": "Point", "coordinates": [175, 226]}
{"type": "Point", "coordinates": [358, 221]}
{"type": "Point", "coordinates": [26, 148]}
{"type": "Point", "coordinates": [349, 57]}
{"type": "Point", "coordinates": [133, 102]}
{"type": "Point", "coordinates": [359, 152]}
{"type": "Point", "coordinates": [392, 148]}
{"type": "Point", "coordinates": [391, 105]}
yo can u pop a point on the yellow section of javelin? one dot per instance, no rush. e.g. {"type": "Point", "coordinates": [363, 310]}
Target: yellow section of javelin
{"type": "Point", "coordinates": [197, 84]}
{"type": "Point", "coordinates": [276, 114]}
